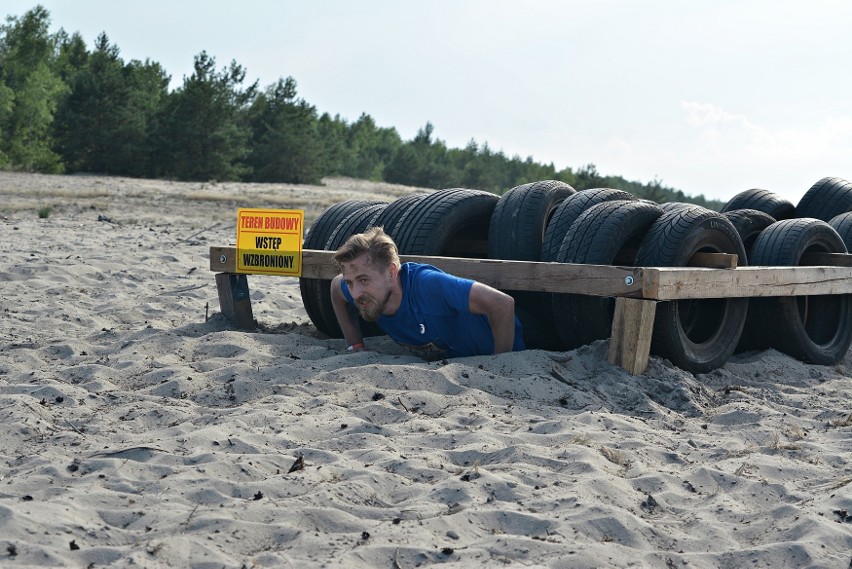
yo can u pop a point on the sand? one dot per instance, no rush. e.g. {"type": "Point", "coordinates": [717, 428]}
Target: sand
{"type": "Point", "coordinates": [139, 427]}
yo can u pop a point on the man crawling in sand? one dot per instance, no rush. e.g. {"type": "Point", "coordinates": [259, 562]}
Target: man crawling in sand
{"type": "Point", "coordinates": [419, 306]}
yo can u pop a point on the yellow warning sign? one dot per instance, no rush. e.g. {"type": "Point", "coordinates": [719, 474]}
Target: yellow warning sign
{"type": "Point", "coordinates": [269, 241]}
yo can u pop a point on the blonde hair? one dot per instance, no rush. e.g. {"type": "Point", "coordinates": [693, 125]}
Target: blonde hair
{"type": "Point", "coordinates": [375, 243]}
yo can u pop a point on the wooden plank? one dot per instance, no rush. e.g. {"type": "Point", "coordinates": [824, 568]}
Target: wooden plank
{"type": "Point", "coordinates": [234, 299]}
{"type": "Point", "coordinates": [700, 259]}
{"type": "Point", "coordinates": [713, 260]}
{"type": "Point", "coordinates": [653, 283]}
{"type": "Point", "coordinates": [677, 283]}
{"type": "Point", "coordinates": [598, 280]}
{"type": "Point", "coordinates": [632, 329]}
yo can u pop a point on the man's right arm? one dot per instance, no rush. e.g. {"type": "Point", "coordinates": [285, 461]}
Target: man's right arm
{"type": "Point", "coordinates": [351, 330]}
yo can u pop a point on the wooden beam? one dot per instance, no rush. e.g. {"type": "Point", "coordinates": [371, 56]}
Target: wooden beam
{"type": "Point", "coordinates": [713, 260]}
{"type": "Point", "coordinates": [234, 299]}
{"type": "Point", "coordinates": [677, 283]}
{"type": "Point", "coordinates": [632, 329]}
{"type": "Point", "coordinates": [653, 283]}
{"type": "Point", "coordinates": [600, 280]}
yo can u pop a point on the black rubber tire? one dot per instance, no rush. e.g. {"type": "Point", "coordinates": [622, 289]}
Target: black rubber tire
{"type": "Point", "coordinates": [826, 199]}
{"type": "Point", "coordinates": [516, 233]}
{"type": "Point", "coordinates": [813, 329]}
{"type": "Point", "coordinates": [447, 223]}
{"type": "Point", "coordinates": [316, 293]}
{"type": "Point", "coordinates": [356, 222]}
{"type": "Point", "coordinates": [761, 200]}
{"type": "Point", "coordinates": [521, 217]}
{"type": "Point", "coordinates": [568, 212]}
{"type": "Point", "coordinates": [843, 225]}
{"type": "Point", "coordinates": [324, 225]}
{"type": "Point", "coordinates": [671, 206]}
{"type": "Point", "coordinates": [390, 215]}
{"type": "Point", "coordinates": [697, 335]}
{"type": "Point", "coordinates": [608, 233]}
{"type": "Point", "coordinates": [749, 223]}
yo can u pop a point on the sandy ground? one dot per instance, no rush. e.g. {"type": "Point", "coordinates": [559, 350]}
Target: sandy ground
{"type": "Point", "coordinates": [140, 428]}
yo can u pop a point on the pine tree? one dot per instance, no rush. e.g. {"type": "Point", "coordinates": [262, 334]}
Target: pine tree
{"type": "Point", "coordinates": [285, 146]}
{"type": "Point", "coordinates": [203, 130]}
{"type": "Point", "coordinates": [28, 71]}
{"type": "Point", "coordinates": [103, 123]}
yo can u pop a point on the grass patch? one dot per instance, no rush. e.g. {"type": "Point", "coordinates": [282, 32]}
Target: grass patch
{"type": "Point", "coordinates": [44, 212]}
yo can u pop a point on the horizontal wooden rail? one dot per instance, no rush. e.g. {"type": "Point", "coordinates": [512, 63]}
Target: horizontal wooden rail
{"type": "Point", "coordinates": [651, 283]}
{"type": "Point", "coordinates": [506, 275]}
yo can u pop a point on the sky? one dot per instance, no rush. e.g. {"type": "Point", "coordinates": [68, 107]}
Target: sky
{"type": "Point", "coordinates": [710, 97]}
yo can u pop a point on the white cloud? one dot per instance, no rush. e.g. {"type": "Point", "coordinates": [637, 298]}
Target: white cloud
{"type": "Point", "coordinates": [711, 151]}
{"type": "Point", "coordinates": [707, 115]}
{"type": "Point", "coordinates": [729, 150]}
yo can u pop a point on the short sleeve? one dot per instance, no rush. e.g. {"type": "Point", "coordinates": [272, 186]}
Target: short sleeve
{"type": "Point", "coordinates": [346, 294]}
{"type": "Point", "coordinates": [441, 291]}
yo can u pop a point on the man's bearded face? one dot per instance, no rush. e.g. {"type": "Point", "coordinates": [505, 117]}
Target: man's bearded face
{"type": "Point", "coordinates": [369, 308]}
{"type": "Point", "coordinates": [370, 287]}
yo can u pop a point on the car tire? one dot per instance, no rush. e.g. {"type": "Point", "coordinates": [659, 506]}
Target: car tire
{"type": "Point", "coordinates": [761, 200]}
{"type": "Point", "coordinates": [516, 233]}
{"type": "Point", "coordinates": [697, 335]}
{"type": "Point", "coordinates": [608, 233]}
{"type": "Point", "coordinates": [568, 212]}
{"type": "Point", "coordinates": [826, 199]}
{"type": "Point", "coordinates": [814, 329]}
{"type": "Point", "coordinates": [447, 223]}
{"type": "Point", "coordinates": [323, 234]}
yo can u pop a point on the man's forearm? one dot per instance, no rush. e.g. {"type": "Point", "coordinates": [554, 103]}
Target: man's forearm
{"type": "Point", "coordinates": [350, 329]}
{"type": "Point", "coordinates": [503, 330]}
{"type": "Point", "coordinates": [499, 308]}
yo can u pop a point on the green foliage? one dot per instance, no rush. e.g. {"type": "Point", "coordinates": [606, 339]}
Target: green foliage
{"type": "Point", "coordinates": [30, 142]}
{"type": "Point", "coordinates": [333, 133]}
{"type": "Point", "coordinates": [44, 212]}
{"type": "Point", "coordinates": [370, 148]}
{"type": "Point", "coordinates": [104, 122]}
{"type": "Point", "coordinates": [24, 44]}
{"type": "Point", "coordinates": [285, 143]}
{"type": "Point", "coordinates": [360, 150]}
{"type": "Point", "coordinates": [64, 107]}
{"type": "Point", "coordinates": [73, 54]}
{"type": "Point", "coordinates": [7, 100]}
{"type": "Point", "coordinates": [422, 162]}
{"type": "Point", "coordinates": [204, 131]}
{"type": "Point", "coordinates": [27, 68]}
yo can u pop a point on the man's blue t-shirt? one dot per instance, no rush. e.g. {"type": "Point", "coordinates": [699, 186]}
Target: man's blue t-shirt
{"type": "Point", "coordinates": [434, 318]}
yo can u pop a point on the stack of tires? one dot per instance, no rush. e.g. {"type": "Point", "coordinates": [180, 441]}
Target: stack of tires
{"type": "Point", "coordinates": [815, 329]}
{"type": "Point", "coordinates": [611, 227]}
{"type": "Point", "coordinates": [549, 221]}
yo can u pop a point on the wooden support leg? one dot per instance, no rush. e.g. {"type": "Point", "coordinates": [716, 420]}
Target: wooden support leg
{"type": "Point", "coordinates": [234, 301]}
{"type": "Point", "coordinates": [632, 328]}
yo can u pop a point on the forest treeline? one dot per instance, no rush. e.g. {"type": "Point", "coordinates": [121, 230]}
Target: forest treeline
{"type": "Point", "coordinates": [65, 108]}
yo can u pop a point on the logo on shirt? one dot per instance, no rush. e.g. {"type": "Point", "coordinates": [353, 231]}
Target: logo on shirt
{"type": "Point", "coordinates": [422, 329]}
